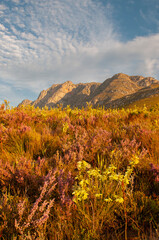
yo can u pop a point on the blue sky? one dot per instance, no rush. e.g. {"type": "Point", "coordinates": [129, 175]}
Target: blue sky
{"type": "Point", "coordinates": [44, 42]}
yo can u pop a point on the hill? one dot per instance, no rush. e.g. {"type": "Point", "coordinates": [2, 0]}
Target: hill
{"type": "Point", "coordinates": [89, 173]}
{"type": "Point", "coordinates": [119, 90]}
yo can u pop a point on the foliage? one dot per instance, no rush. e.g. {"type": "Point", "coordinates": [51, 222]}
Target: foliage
{"type": "Point", "coordinates": [79, 173]}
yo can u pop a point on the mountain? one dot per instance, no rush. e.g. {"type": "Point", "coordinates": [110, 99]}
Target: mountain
{"type": "Point", "coordinates": [118, 91]}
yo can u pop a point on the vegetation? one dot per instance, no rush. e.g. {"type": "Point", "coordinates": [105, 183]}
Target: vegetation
{"type": "Point", "coordinates": [149, 102]}
{"type": "Point", "coordinates": [79, 173]}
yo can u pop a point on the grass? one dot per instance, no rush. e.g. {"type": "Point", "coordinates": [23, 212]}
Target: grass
{"type": "Point", "coordinates": [79, 173]}
{"type": "Point", "coordinates": [149, 102]}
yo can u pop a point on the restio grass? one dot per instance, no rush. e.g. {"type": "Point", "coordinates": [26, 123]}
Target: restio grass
{"type": "Point", "coordinates": [79, 173]}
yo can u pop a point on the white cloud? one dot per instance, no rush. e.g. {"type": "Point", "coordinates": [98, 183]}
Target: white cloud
{"type": "Point", "coordinates": [2, 27]}
{"type": "Point", "coordinates": [53, 41]}
{"type": "Point", "coordinates": [3, 7]}
{"type": "Point", "coordinates": [66, 28]}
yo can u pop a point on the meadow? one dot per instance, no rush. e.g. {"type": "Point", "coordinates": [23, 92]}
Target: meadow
{"type": "Point", "coordinates": [73, 174]}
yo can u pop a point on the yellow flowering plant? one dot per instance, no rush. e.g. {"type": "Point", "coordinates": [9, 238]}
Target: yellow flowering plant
{"type": "Point", "coordinates": [91, 180]}
{"type": "Point", "coordinates": [103, 189]}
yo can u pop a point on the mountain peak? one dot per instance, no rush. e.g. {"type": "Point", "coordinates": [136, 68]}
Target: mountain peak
{"type": "Point", "coordinates": [120, 75]}
{"type": "Point", "coordinates": [68, 83]}
{"type": "Point", "coordinates": [111, 90]}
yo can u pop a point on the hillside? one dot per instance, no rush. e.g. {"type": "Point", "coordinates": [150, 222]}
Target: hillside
{"type": "Point", "coordinates": [89, 173]}
{"type": "Point", "coordinates": [148, 95]}
{"type": "Point", "coordinates": [120, 90]}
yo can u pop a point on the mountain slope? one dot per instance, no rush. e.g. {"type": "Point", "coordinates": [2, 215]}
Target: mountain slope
{"type": "Point", "coordinates": [150, 92]}
{"type": "Point", "coordinates": [114, 88]}
{"type": "Point", "coordinates": [120, 90]}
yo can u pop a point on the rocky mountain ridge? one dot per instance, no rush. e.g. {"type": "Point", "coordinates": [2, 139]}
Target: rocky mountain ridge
{"type": "Point", "coordinates": [119, 90]}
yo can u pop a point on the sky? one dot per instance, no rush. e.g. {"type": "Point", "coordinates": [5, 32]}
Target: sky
{"type": "Point", "coordinates": [45, 42]}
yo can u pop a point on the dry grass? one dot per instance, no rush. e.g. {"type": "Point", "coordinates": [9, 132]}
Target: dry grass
{"type": "Point", "coordinates": [79, 173]}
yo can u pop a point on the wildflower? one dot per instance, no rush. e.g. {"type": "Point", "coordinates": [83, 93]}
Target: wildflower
{"type": "Point", "coordinates": [65, 127]}
{"type": "Point", "coordinates": [114, 177]}
{"type": "Point", "coordinates": [80, 194]}
{"type": "Point", "coordinates": [108, 200]}
{"type": "Point", "coordinates": [98, 195]}
{"type": "Point", "coordinates": [21, 208]}
{"type": "Point", "coordinates": [94, 173]}
{"type": "Point", "coordinates": [43, 206]}
{"type": "Point", "coordinates": [84, 182]}
{"type": "Point", "coordinates": [82, 165]}
{"type": "Point", "coordinates": [119, 200]}
{"type": "Point", "coordinates": [135, 160]}
{"type": "Point", "coordinates": [45, 216]}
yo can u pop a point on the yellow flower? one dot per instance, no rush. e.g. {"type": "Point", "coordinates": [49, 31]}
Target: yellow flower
{"type": "Point", "coordinates": [98, 195]}
{"type": "Point", "coordinates": [81, 165]}
{"type": "Point", "coordinates": [108, 200]}
{"type": "Point", "coordinates": [114, 176]}
{"type": "Point", "coordinates": [80, 195]}
{"type": "Point", "coordinates": [120, 200]}
{"type": "Point", "coordinates": [84, 182]}
{"type": "Point", "coordinates": [94, 173]}
{"type": "Point", "coordinates": [135, 160]}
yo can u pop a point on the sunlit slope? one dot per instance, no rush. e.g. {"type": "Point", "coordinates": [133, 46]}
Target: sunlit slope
{"type": "Point", "coordinates": [148, 95]}
{"type": "Point", "coordinates": [89, 173]}
{"type": "Point", "coordinates": [117, 91]}
{"type": "Point", "coordinates": [149, 102]}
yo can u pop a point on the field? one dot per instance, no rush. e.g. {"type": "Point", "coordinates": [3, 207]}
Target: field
{"type": "Point", "coordinates": [73, 174]}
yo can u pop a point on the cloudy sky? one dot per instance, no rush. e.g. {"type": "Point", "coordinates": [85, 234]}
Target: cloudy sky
{"type": "Point", "coordinates": [43, 42]}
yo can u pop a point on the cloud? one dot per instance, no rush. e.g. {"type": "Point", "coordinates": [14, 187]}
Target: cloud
{"type": "Point", "coordinates": [46, 42]}
{"type": "Point", "coordinates": [3, 7]}
{"type": "Point", "coordinates": [2, 27]}
{"type": "Point", "coordinates": [150, 15]}
{"type": "Point", "coordinates": [137, 57]}
{"type": "Point", "coordinates": [16, 1]}
{"type": "Point", "coordinates": [47, 34]}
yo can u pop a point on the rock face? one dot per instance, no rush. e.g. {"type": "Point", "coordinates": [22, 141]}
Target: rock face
{"type": "Point", "coordinates": [26, 102]}
{"type": "Point", "coordinates": [119, 90]}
